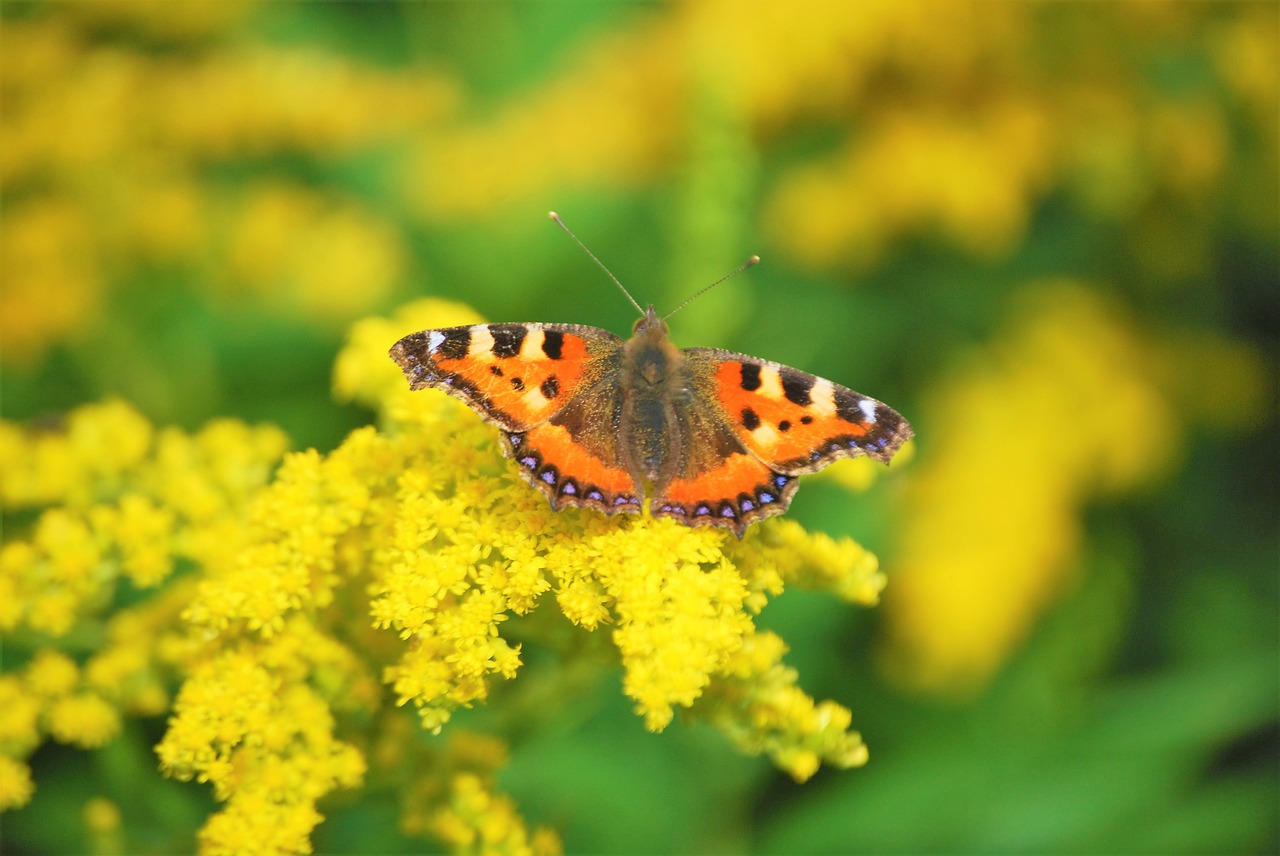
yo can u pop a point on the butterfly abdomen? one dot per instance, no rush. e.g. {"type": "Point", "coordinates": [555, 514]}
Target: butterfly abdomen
{"type": "Point", "coordinates": [651, 382]}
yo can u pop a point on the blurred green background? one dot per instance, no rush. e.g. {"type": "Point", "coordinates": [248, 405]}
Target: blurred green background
{"type": "Point", "coordinates": [1046, 233]}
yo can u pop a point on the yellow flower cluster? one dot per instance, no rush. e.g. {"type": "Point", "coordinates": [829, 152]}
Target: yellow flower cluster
{"type": "Point", "coordinates": [280, 636]}
{"type": "Point", "coordinates": [615, 116]}
{"type": "Point", "coordinates": [89, 212]}
{"type": "Point", "coordinates": [459, 805]}
{"type": "Point", "coordinates": [127, 503]}
{"type": "Point", "coordinates": [760, 707]}
{"type": "Point", "coordinates": [1072, 403]}
{"type": "Point", "coordinates": [471, 545]}
{"type": "Point", "coordinates": [248, 722]}
{"type": "Point", "coordinates": [942, 124]}
{"type": "Point", "coordinates": [473, 819]}
{"type": "Point", "coordinates": [115, 502]}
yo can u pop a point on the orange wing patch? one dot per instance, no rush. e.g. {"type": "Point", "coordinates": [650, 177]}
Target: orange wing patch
{"type": "Point", "coordinates": [798, 423]}
{"type": "Point", "coordinates": [737, 493]}
{"type": "Point", "coordinates": [514, 375]}
{"type": "Point", "coordinates": [568, 474]}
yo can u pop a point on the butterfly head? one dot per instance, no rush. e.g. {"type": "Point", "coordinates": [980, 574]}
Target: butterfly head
{"type": "Point", "coordinates": [650, 325]}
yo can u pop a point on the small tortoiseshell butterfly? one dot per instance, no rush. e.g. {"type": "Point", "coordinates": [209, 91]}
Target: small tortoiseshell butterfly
{"type": "Point", "coordinates": [711, 437]}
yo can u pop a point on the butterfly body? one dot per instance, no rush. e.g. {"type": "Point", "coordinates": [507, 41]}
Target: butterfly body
{"type": "Point", "coordinates": [709, 437]}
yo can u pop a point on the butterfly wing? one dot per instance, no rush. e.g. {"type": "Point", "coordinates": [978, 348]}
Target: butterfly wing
{"type": "Point", "coordinates": [785, 423]}
{"type": "Point", "coordinates": [547, 386]}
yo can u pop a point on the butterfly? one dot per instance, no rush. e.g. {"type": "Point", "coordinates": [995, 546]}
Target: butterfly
{"type": "Point", "coordinates": [709, 437]}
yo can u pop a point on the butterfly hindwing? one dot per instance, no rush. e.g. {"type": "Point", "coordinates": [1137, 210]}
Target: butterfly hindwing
{"type": "Point", "coordinates": [557, 464]}
{"type": "Point", "coordinates": [514, 375]}
{"type": "Point", "coordinates": [733, 493]}
{"type": "Point", "coordinates": [793, 421]}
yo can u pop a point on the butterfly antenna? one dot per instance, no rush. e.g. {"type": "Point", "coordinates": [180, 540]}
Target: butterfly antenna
{"type": "Point", "coordinates": [749, 263]}
{"type": "Point", "coordinates": [556, 217]}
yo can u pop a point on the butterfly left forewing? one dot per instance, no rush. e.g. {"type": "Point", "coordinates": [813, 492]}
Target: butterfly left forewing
{"type": "Point", "coordinates": [546, 386]}
{"type": "Point", "coordinates": [793, 421]}
{"type": "Point", "coordinates": [514, 375]}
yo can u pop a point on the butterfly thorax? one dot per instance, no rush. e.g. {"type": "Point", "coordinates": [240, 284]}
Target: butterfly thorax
{"type": "Point", "coordinates": [654, 386]}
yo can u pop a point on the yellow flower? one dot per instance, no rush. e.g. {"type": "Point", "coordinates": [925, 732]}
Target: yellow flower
{"type": "Point", "coordinates": [1082, 405]}
{"type": "Point", "coordinates": [324, 254]}
{"type": "Point", "coordinates": [759, 706]}
{"type": "Point", "coordinates": [972, 178]}
{"type": "Point", "coordinates": [401, 555]}
{"type": "Point", "coordinates": [143, 531]}
{"type": "Point", "coordinates": [84, 719]}
{"type": "Point", "coordinates": [136, 191]}
{"type": "Point", "coordinates": [52, 284]}
{"type": "Point", "coordinates": [101, 815]}
{"type": "Point", "coordinates": [19, 717]}
{"type": "Point", "coordinates": [470, 544]}
{"type": "Point", "coordinates": [449, 544]}
{"type": "Point", "coordinates": [103, 825]}
{"type": "Point", "coordinates": [476, 820]}
{"type": "Point", "coordinates": [52, 674]}
{"type": "Point", "coordinates": [16, 786]}
{"type": "Point", "coordinates": [131, 502]}
{"type": "Point", "coordinates": [73, 462]}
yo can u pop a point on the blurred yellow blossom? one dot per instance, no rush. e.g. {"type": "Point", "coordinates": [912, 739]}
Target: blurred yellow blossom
{"type": "Point", "coordinates": [126, 495]}
{"type": "Point", "coordinates": [612, 116]}
{"type": "Point", "coordinates": [362, 372]}
{"type": "Point", "coordinates": [1070, 404]}
{"type": "Point", "coordinates": [87, 212]}
{"type": "Point", "coordinates": [19, 716]}
{"type": "Point", "coordinates": [973, 178]}
{"type": "Point", "coordinates": [103, 823]}
{"type": "Point", "coordinates": [51, 282]}
{"type": "Point", "coordinates": [85, 720]}
{"type": "Point", "coordinates": [460, 804]}
{"type": "Point", "coordinates": [15, 784]}
{"type": "Point", "coordinates": [476, 820]}
{"type": "Point", "coordinates": [321, 253]}
{"type": "Point", "coordinates": [52, 674]}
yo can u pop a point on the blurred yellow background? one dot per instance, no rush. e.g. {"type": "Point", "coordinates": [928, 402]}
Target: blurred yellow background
{"type": "Point", "coordinates": [1046, 233]}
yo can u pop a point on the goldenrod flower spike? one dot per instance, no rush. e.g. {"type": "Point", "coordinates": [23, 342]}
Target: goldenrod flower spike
{"type": "Point", "coordinates": [388, 571]}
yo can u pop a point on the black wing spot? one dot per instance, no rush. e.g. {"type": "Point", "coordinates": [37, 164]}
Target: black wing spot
{"type": "Point", "coordinates": [552, 344]}
{"type": "Point", "coordinates": [784, 426]}
{"type": "Point", "coordinates": [507, 339]}
{"type": "Point", "coordinates": [517, 383]}
{"type": "Point", "coordinates": [750, 420]}
{"type": "Point", "coordinates": [750, 377]}
{"type": "Point", "coordinates": [796, 386]}
{"type": "Point", "coordinates": [806, 420]}
{"type": "Point", "coordinates": [456, 344]}
{"type": "Point", "coordinates": [550, 387]}
{"type": "Point", "coordinates": [495, 371]}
